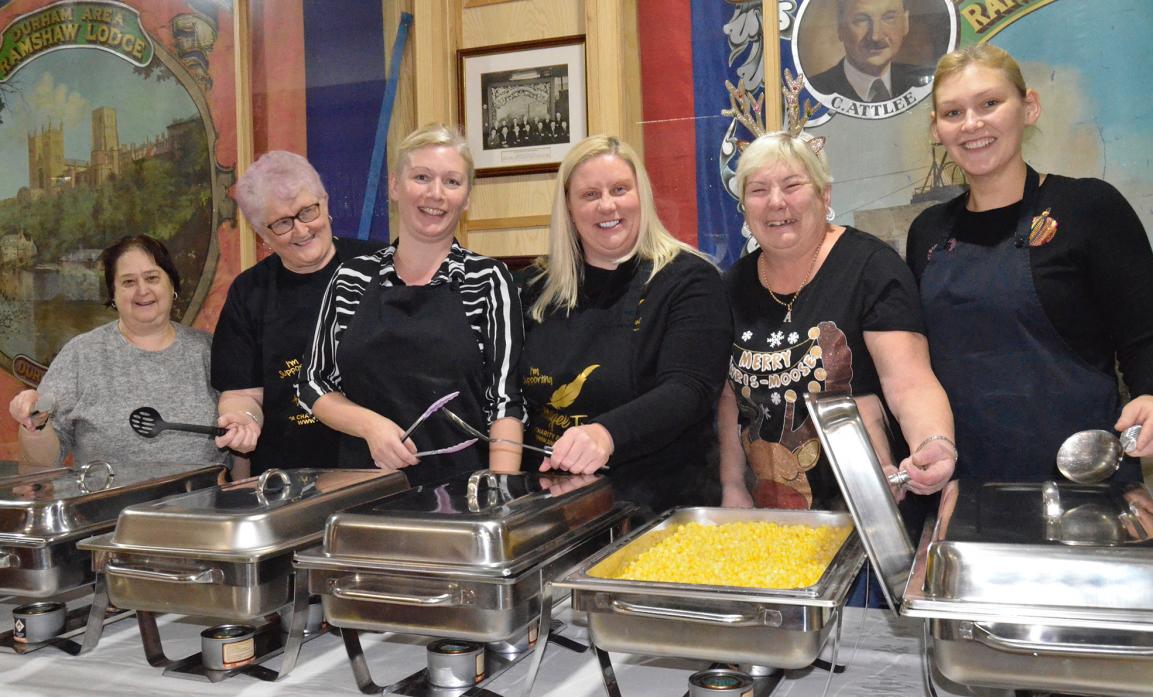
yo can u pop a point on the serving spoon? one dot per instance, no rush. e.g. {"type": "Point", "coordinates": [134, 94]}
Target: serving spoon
{"type": "Point", "coordinates": [147, 422]}
{"type": "Point", "coordinates": [1088, 457]}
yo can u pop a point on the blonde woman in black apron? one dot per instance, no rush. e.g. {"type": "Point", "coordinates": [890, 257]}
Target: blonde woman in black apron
{"type": "Point", "coordinates": [1034, 286]}
{"type": "Point", "coordinates": [422, 318]}
{"type": "Point", "coordinates": [626, 336]}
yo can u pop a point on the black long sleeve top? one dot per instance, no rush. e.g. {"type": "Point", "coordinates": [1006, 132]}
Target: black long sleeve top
{"type": "Point", "coordinates": [1094, 279]}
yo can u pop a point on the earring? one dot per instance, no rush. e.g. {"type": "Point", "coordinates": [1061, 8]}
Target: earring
{"type": "Point", "coordinates": [112, 304]}
{"type": "Point", "coordinates": [175, 295]}
{"type": "Point", "coordinates": [830, 214]}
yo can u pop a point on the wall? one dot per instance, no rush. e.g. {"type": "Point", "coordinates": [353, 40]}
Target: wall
{"type": "Point", "coordinates": [508, 215]}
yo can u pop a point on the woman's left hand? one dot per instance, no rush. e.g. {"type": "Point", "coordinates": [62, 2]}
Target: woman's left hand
{"type": "Point", "coordinates": [930, 467]}
{"type": "Point", "coordinates": [1139, 411]}
{"type": "Point", "coordinates": [580, 450]}
{"type": "Point", "coordinates": [243, 432]}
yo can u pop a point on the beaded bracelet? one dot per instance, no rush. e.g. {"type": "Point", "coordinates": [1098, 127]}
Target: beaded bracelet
{"type": "Point", "coordinates": [948, 440]}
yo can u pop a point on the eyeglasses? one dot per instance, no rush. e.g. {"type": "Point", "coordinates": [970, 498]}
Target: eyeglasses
{"type": "Point", "coordinates": [283, 226]}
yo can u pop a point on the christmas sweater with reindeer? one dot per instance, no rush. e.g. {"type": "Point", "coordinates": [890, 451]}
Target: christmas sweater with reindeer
{"type": "Point", "coordinates": [863, 286]}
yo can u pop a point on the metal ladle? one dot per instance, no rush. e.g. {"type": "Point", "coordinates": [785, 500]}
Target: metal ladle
{"type": "Point", "coordinates": [1088, 457]}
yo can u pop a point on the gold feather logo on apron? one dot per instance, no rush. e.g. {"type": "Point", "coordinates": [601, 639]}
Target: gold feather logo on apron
{"type": "Point", "coordinates": [566, 394]}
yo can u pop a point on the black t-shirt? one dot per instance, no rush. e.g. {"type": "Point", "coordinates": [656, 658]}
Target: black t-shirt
{"type": "Point", "coordinates": [1094, 278]}
{"type": "Point", "coordinates": [261, 337]}
{"type": "Point", "coordinates": [862, 286]}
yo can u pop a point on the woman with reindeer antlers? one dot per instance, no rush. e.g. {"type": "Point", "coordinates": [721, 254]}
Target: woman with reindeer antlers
{"type": "Point", "coordinates": [818, 308]}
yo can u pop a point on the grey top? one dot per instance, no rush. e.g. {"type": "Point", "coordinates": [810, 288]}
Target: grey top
{"type": "Point", "coordinates": [99, 378]}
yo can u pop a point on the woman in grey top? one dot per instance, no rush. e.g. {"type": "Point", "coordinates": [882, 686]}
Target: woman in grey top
{"type": "Point", "coordinates": [142, 358]}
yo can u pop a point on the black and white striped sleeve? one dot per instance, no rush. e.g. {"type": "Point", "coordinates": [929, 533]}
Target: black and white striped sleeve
{"type": "Point", "coordinates": [493, 304]}
{"type": "Point", "coordinates": [321, 374]}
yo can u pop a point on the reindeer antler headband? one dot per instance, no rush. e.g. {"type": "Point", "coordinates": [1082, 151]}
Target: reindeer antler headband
{"type": "Point", "coordinates": [748, 111]}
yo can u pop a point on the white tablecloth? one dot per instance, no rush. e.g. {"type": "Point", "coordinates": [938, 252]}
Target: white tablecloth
{"type": "Point", "coordinates": [883, 655]}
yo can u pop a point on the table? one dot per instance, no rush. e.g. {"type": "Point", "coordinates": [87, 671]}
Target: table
{"type": "Point", "coordinates": [883, 655]}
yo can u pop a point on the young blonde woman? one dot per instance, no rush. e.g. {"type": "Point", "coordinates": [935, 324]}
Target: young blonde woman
{"type": "Point", "coordinates": [418, 320]}
{"type": "Point", "coordinates": [1034, 286]}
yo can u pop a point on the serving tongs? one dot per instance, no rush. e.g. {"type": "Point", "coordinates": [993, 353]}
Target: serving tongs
{"type": "Point", "coordinates": [467, 428]}
{"type": "Point", "coordinates": [436, 406]}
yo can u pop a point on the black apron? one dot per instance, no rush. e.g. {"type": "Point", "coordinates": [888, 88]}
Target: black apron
{"type": "Point", "coordinates": [291, 437]}
{"type": "Point", "coordinates": [578, 366]}
{"type": "Point", "coordinates": [1016, 388]}
{"type": "Point", "coordinates": [406, 347]}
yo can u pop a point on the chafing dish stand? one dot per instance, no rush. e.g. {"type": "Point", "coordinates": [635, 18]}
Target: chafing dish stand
{"type": "Point", "coordinates": [227, 552]}
{"type": "Point", "coordinates": [85, 622]}
{"type": "Point", "coordinates": [43, 515]}
{"type": "Point", "coordinates": [471, 559]}
{"type": "Point", "coordinates": [495, 663]}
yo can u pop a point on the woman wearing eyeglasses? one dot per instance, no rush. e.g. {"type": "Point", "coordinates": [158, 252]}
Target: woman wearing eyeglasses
{"type": "Point", "coordinates": [418, 320]}
{"type": "Point", "coordinates": [267, 321]}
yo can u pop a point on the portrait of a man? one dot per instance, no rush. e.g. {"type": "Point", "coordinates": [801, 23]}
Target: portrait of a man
{"type": "Point", "coordinates": [872, 33]}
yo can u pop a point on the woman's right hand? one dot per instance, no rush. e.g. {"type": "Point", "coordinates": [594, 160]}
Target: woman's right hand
{"type": "Point", "coordinates": [22, 407]}
{"type": "Point", "coordinates": [580, 450]}
{"type": "Point", "coordinates": [388, 451]}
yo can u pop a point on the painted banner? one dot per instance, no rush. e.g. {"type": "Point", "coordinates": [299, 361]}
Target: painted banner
{"type": "Point", "coordinates": [116, 118]}
{"type": "Point", "coordinates": [1085, 60]}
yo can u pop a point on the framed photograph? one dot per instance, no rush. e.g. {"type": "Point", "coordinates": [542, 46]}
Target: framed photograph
{"type": "Point", "coordinates": [523, 105]}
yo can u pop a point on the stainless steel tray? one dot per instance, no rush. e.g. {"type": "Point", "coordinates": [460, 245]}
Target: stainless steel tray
{"type": "Point", "coordinates": [781, 628]}
{"type": "Point", "coordinates": [55, 505]}
{"type": "Point", "coordinates": [471, 558]}
{"type": "Point", "coordinates": [251, 518]}
{"type": "Point", "coordinates": [996, 554]}
{"type": "Point", "coordinates": [1043, 587]}
{"type": "Point", "coordinates": [227, 551]}
{"type": "Point", "coordinates": [44, 514]}
{"type": "Point", "coordinates": [495, 524]}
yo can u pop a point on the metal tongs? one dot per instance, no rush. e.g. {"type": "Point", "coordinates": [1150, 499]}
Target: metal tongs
{"type": "Point", "coordinates": [464, 426]}
{"type": "Point", "coordinates": [436, 406]}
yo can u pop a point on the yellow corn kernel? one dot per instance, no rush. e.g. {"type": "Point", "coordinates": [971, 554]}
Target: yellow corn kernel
{"type": "Point", "coordinates": [747, 554]}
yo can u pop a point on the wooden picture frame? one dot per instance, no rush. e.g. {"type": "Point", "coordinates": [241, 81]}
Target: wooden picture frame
{"type": "Point", "coordinates": [522, 105]}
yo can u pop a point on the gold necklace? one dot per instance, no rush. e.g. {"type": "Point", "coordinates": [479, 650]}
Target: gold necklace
{"type": "Point", "coordinates": [763, 275]}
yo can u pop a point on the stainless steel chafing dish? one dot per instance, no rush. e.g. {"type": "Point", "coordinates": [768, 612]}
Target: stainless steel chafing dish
{"type": "Point", "coordinates": [471, 558]}
{"type": "Point", "coordinates": [224, 552]}
{"type": "Point", "coordinates": [1044, 586]}
{"type": "Point", "coordinates": [227, 551]}
{"type": "Point", "coordinates": [43, 515]}
{"type": "Point", "coordinates": [777, 628]}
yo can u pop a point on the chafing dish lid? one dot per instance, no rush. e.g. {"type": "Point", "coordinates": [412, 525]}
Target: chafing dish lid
{"type": "Point", "coordinates": [48, 505]}
{"type": "Point", "coordinates": [854, 462]}
{"type": "Point", "coordinates": [279, 510]}
{"type": "Point", "coordinates": [505, 521]}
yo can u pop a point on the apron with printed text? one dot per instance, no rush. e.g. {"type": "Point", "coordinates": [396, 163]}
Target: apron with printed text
{"type": "Point", "coordinates": [290, 436]}
{"type": "Point", "coordinates": [406, 347]}
{"type": "Point", "coordinates": [576, 367]}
